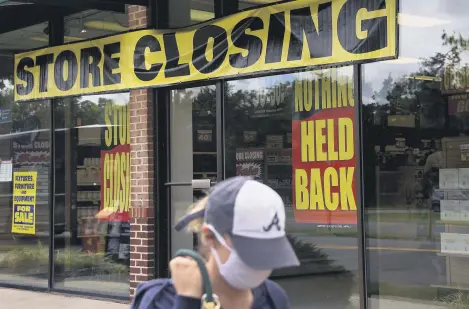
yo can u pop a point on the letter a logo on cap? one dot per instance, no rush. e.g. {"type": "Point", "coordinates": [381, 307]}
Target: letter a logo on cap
{"type": "Point", "coordinates": [275, 222]}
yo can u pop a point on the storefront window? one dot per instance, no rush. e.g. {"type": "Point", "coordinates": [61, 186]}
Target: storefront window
{"type": "Point", "coordinates": [92, 170]}
{"type": "Point", "coordinates": [295, 133]}
{"type": "Point", "coordinates": [415, 126]}
{"type": "Point", "coordinates": [184, 13]}
{"type": "Point", "coordinates": [24, 172]}
{"type": "Point", "coordinates": [90, 24]}
{"type": "Point", "coordinates": [32, 37]}
{"type": "Point", "coordinates": [245, 4]}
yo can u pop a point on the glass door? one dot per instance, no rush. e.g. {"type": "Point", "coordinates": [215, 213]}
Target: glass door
{"type": "Point", "coordinates": [193, 152]}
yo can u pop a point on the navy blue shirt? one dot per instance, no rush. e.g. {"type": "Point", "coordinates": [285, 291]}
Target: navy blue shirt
{"type": "Point", "coordinates": [161, 294]}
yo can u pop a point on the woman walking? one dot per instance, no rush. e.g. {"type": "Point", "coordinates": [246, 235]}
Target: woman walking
{"type": "Point", "coordinates": [241, 224]}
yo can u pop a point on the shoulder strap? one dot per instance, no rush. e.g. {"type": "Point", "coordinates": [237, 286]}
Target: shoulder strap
{"type": "Point", "coordinates": [146, 293]}
{"type": "Point", "coordinates": [209, 299]}
{"type": "Point", "coordinates": [277, 295]}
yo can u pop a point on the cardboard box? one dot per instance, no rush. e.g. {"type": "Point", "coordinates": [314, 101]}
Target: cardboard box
{"type": "Point", "coordinates": [465, 240]}
{"type": "Point", "coordinates": [464, 178]}
{"type": "Point", "coordinates": [449, 178]}
{"type": "Point", "coordinates": [464, 207]}
{"type": "Point", "coordinates": [450, 210]}
{"type": "Point", "coordinates": [452, 243]}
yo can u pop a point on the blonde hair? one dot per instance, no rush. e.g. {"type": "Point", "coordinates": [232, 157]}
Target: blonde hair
{"type": "Point", "coordinates": [195, 226]}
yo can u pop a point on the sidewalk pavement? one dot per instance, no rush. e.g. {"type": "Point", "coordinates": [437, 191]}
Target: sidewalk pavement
{"type": "Point", "coordinates": [20, 299]}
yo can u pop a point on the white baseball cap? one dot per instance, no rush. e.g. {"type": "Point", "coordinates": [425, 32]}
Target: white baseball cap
{"type": "Point", "coordinates": [253, 215]}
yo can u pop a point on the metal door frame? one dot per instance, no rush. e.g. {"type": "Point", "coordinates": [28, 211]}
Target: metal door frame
{"type": "Point", "coordinates": [163, 181]}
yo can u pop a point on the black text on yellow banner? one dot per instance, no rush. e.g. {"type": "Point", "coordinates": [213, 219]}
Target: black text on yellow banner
{"type": "Point", "coordinates": [297, 34]}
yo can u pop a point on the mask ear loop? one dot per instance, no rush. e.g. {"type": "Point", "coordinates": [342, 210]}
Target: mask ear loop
{"type": "Point", "coordinates": [220, 239]}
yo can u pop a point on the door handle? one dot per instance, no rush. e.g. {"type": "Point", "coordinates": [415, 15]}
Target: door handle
{"type": "Point", "coordinates": [196, 184]}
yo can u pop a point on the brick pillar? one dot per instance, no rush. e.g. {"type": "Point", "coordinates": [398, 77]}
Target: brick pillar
{"type": "Point", "coordinates": [142, 224]}
{"type": "Point", "coordinates": [138, 16]}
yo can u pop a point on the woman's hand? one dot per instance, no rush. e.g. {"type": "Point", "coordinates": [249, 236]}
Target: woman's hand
{"type": "Point", "coordinates": [186, 277]}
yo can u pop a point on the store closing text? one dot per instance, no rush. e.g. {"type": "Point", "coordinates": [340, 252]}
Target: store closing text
{"type": "Point", "coordinates": [116, 161]}
{"type": "Point", "coordinates": [286, 35]}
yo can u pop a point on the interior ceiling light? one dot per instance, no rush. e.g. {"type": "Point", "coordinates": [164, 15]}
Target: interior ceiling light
{"type": "Point", "coordinates": [105, 25]}
{"type": "Point", "coordinates": [82, 27]}
{"type": "Point", "coordinates": [40, 38]}
{"type": "Point", "coordinates": [44, 38]}
{"type": "Point", "coordinates": [260, 1]}
{"type": "Point", "coordinates": [417, 21]}
{"type": "Point", "coordinates": [197, 15]}
{"type": "Point", "coordinates": [72, 39]}
{"type": "Point", "coordinates": [8, 3]}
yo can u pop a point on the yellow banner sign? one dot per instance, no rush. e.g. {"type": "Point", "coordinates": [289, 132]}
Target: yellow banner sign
{"type": "Point", "coordinates": [296, 34]}
{"type": "Point", "coordinates": [24, 203]}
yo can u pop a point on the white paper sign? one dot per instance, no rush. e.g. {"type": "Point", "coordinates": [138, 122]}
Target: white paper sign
{"type": "Point", "coordinates": [6, 171]}
{"type": "Point", "coordinates": [274, 141]}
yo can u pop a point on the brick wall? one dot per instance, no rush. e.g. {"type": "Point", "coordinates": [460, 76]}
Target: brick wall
{"type": "Point", "coordinates": [138, 16]}
{"type": "Point", "coordinates": [142, 224]}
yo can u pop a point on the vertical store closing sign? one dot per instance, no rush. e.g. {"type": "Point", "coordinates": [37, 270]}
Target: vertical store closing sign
{"type": "Point", "coordinates": [115, 163]}
{"type": "Point", "coordinates": [295, 34]}
{"type": "Point", "coordinates": [323, 141]}
{"type": "Point", "coordinates": [24, 203]}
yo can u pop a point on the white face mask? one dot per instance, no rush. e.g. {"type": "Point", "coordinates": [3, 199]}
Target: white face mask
{"type": "Point", "coordinates": [236, 273]}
